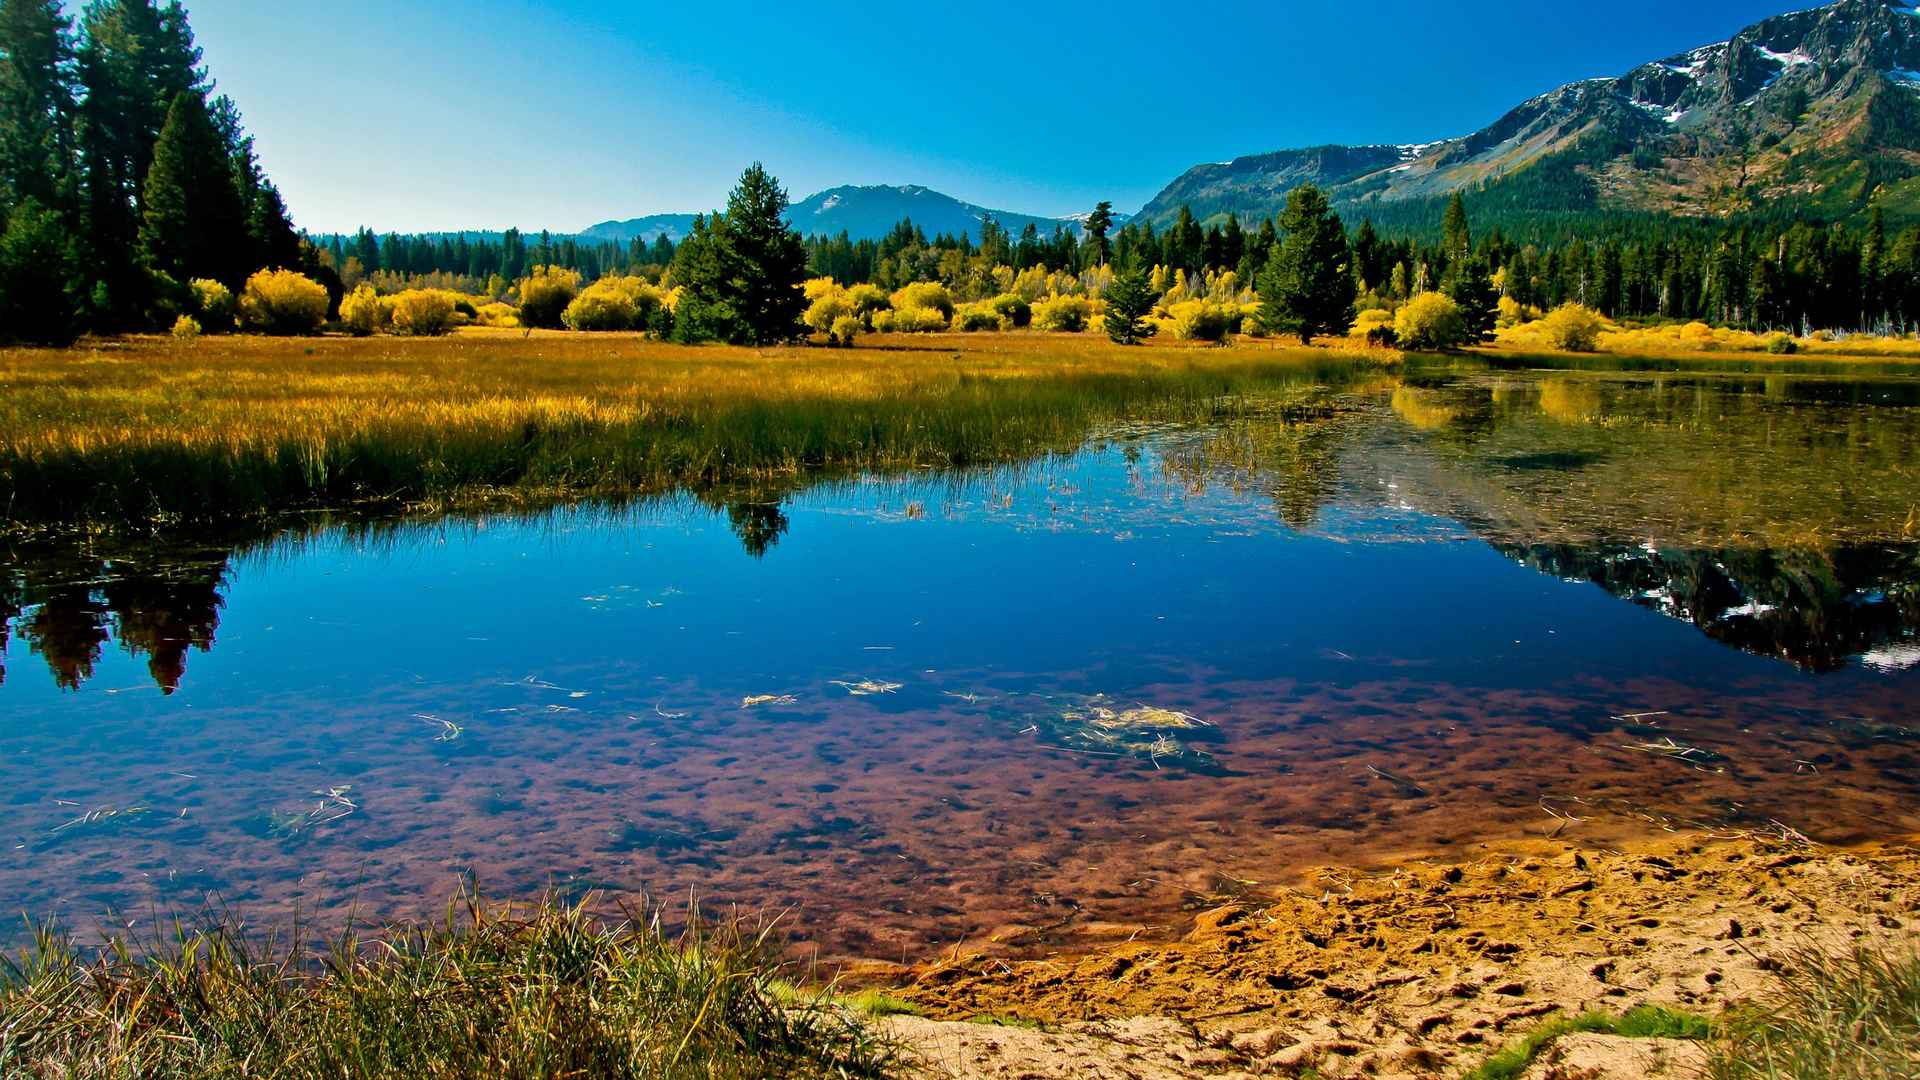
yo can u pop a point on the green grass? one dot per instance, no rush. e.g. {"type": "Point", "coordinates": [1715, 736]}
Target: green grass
{"type": "Point", "coordinates": [1643, 1022]}
{"type": "Point", "coordinates": [546, 992]}
{"type": "Point", "coordinates": [1834, 1016]}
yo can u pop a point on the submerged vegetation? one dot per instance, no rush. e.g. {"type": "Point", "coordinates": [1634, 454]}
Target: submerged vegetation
{"type": "Point", "coordinates": [547, 991]}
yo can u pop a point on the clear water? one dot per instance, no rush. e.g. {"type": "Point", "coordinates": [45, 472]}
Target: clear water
{"type": "Point", "coordinates": [1447, 609]}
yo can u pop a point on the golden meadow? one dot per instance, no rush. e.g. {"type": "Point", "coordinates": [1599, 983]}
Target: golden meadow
{"type": "Point", "coordinates": [153, 431]}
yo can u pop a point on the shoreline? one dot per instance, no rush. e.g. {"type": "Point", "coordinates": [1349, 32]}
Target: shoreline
{"type": "Point", "coordinates": [1425, 969]}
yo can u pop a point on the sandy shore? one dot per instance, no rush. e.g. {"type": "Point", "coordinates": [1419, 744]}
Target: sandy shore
{"type": "Point", "coordinates": [1422, 970]}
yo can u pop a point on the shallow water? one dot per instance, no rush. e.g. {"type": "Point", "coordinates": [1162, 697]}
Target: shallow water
{"type": "Point", "coordinates": [1017, 707]}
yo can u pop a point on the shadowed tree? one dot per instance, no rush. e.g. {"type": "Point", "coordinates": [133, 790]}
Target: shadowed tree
{"type": "Point", "coordinates": [193, 224]}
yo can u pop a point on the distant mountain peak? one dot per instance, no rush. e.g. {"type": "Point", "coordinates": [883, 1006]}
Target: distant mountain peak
{"type": "Point", "coordinates": [1706, 131]}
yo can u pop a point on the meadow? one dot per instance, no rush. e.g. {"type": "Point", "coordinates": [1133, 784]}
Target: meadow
{"type": "Point", "coordinates": [151, 431]}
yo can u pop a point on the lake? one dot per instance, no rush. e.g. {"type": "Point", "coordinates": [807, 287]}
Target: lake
{"type": "Point", "coordinates": [1018, 707]}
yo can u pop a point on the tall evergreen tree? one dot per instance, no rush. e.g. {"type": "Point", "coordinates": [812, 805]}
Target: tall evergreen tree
{"type": "Point", "coordinates": [743, 271]}
{"type": "Point", "coordinates": [193, 224]}
{"type": "Point", "coordinates": [1307, 288]}
{"type": "Point", "coordinates": [36, 103]}
{"type": "Point", "coordinates": [1458, 238]}
{"type": "Point", "coordinates": [1471, 288]}
{"type": "Point", "coordinates": [1099, 223]}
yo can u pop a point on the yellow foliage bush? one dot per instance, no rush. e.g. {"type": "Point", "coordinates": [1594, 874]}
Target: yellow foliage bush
{"type": "Point", "coordinates": [867, 299]}
{"type": "Point", "coordinates": [815, 288]}
{"type": "Point", "coordinates": [1063, 314]}
{"type": "Point", "coordinates": [364, 311]}
{"type": "Point", "coordinates": [545, 294]}
{"type": "Point", "coordinates": [423, 312]}
{"type": "Point", "coordinates": [612, 303]}
{"type": "Point", "coordinates": [213, 305]}
{"type": "Point", "coordinates": [283, 302]}
{"type": "Point", "coordinates": [186, 328]}
{"type": "Point", "coordinates": [1573, 328]}
{"type": "Point", "coordinates": [970, 318]}
{"type": "Point", "coordinates": [1430, 320]}
{"type": "Point", "coordinates": [499, 315]}
{"type": "Point", "coordinates": [828, 307]}
{"type": "Point", "coordinates": [1375, 327]}
{"type": "Point", "coordinates": [918, 320]}
{"type": "Point", "coordinates": [1199, 320]}
{"type": "Point", "coordinates": [925, 294]}
{"type": "Point", "coordinates": [844, 330]}
{"type": "Point", "coordinates": [1013, 309]}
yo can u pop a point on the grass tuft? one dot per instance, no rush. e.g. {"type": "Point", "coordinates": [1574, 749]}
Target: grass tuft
{"type": "Point", "coordinates": [1835, 1016]}
{"type": "Point", "coordinates": [549, 991]}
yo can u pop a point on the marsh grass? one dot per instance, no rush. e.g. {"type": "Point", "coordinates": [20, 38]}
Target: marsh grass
{"type": "Point", "coordinates": [547, 991]}
{"type": "Point", "coordinates": [1834, 1016]}
{"type": "Point", "coordinates": [147, 432]}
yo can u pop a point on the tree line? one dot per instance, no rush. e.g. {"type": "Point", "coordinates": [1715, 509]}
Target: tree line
{"type": "Point", "coordinates": [123, 177]}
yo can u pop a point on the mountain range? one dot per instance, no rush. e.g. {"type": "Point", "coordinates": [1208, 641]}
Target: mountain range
{"type": "Point", "coordinates": [863, 213]}
{"type": "Point", "coordinates": [1811, 110]}
{"type": "Point", "coordinates": [1811, 113]}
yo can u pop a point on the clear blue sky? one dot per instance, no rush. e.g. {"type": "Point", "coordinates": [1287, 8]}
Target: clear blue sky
{"type": "Point", "coordinates": [410, 115]}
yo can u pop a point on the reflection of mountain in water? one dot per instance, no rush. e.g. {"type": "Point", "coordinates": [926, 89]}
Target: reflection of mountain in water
{"type": "Point", "coordinates": [1813, 609]}
{"type": "Point", "coordinates": [67, 606]}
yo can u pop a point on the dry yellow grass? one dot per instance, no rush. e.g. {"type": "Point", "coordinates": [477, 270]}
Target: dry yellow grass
{"type": "Point", "coordinates": [150, 430]}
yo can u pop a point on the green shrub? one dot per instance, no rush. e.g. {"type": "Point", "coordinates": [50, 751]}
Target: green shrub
{"type": "Point", "coordinates": [283, 302]}
{"type": "Point", "coordinates": [423, 312]}
{"type": "Point", "coordinates": [545, 294]}
{"type": "Point", "coordinates": [1782, 345]}
{"type": "Point", "coordinates": [186, 328]}
{"type": "Point", "coordinates": [844, 330]}
{"type": "Point", "coordinates": [1430, 321]}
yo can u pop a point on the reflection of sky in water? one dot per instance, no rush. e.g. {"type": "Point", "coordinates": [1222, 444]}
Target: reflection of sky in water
{"type": "Point", "coordinates": [560, 700]}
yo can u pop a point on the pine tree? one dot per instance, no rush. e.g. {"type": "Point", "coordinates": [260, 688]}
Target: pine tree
{"type": "Point", "coordinates": [1098, 224]}
{"type": "Point", "coordinates": [1307, 288]}
{"type": "Point", "coordinates": [36, 103]}
{"type": "Point", "coordinates": [1459, 240]}
{"type": "Point", "coordinates": [39, 277]}
{"type": "Point", "coordinates": [1471, 289]}
{"type": "Point", "coordinates": [193, 224]}
{"type": "Point", "coordinates": [1128, 298]}
{"type": "Point", "coordinates": [741, 283]}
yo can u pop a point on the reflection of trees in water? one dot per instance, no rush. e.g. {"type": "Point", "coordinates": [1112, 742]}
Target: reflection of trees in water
{"type": "Point", "coordinates": [1815, 609]}
{"type": "Point", "coordinates": [759, 525]}
{"type": "Point", "coordinates": [67, 606]}
{"type": "Point", "coordinates": [1295, 463]}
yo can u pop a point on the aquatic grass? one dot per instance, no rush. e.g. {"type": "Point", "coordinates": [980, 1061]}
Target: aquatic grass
{"type": "Point", "coordinates": [149, 432]}
{"type": "Point", "coordinates": [1641, 1022]}
{"type": "Point", "coordinates": [547, 991]}
{"type": "Point", "coordinates": [1833, 1016]}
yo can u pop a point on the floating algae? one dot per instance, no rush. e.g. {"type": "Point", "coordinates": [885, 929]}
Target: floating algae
{"type": "Point", "coordinates": [868, 687]}
{"type": "Point", "coordinates": [751, 700]}
{"type": "Point", "coordinates": [1100, 725]}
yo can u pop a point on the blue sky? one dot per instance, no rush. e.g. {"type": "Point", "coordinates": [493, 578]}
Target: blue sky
{"type": "Point", "coordinates": [406, 114]}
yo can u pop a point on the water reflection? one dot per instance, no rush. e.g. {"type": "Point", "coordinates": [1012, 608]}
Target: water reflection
{"type": "Point", "coordinates": [1776, 514]}
{"type": "Point", "coordinates": [69, 603]}
{"type": "Point", "coordinates": [1001, 705]}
